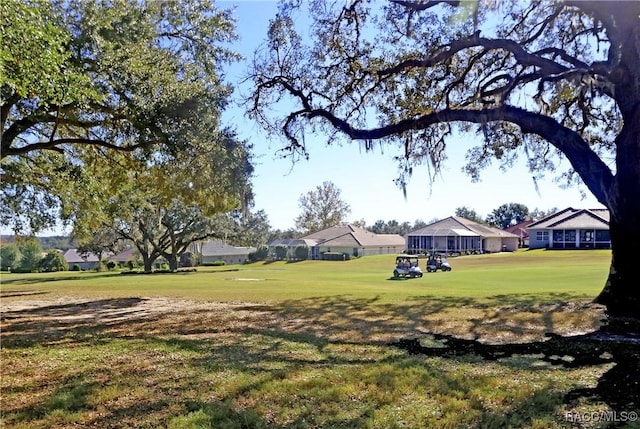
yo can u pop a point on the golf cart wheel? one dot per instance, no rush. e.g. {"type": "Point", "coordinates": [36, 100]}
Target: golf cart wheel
{"type": "Point", "coordinates": [396, 274]}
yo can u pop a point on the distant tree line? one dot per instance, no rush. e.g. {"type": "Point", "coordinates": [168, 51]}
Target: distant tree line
{"type": "Point", "coordinates": [395, 227]}
{"type": "Point", "coordinates": [506, 215]}
{"type": "Point", "coordinates": [26, 256]}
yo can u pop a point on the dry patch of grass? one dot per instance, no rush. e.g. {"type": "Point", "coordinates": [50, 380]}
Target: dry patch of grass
{"type": "Point", "coordinates": [323, 362]}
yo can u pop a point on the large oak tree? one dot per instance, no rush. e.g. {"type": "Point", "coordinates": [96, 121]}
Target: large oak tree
{"type": "Point", "coordinates": [84, 79]}
{"type": "Point", "coordinates": [547, 80]}
{"type": "Point", "coordinates": [164, 206]}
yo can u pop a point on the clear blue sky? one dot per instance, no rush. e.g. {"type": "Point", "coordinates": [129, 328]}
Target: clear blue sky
{"type": "Point", "coordinates": [366, 179]}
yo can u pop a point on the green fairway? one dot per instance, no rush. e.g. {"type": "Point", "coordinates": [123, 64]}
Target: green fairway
{"type": "Point", "coordinates": [297, 345]}
{"type": "Point", "coordinates": [572, 274]}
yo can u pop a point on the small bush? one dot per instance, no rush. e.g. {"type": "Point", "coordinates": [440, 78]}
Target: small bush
{"type": "Point", "coordinates": [335, 256]}
{"type": "Point", "coordinates": [161, 266]}
{"type": "Point", "coordinates": [188, 259]}
{"type": "Point", "coordinates": [301, 252]}
{"type": "Point", "coordinates": [260, 254]}
{"type": "Point", "coordinates": [53, 261]}
{"type": "Point", "coordinates": [180, 270]}
{"type": "Point", "coordinates": [214, 264]}
{"type": "Point", "coordinates": [76, 267]}
{"type": "Point", "coordinates": [281, 251]}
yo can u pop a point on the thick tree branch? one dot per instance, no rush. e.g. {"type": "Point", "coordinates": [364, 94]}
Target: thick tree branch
{"type": "Point", "coordinates": [54, 145]}
{"type": "Point", "coordinates": [593, 171]}
{"type": "Point", "coordinates": [21, 126]}
{"type": "Point", "coordinates": [417, 6]}
{"type": "Point", "coordinates": [520, 54]}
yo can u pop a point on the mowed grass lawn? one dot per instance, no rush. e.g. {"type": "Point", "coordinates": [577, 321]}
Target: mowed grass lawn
{"type": "Point", "coordinates": [296, 345]}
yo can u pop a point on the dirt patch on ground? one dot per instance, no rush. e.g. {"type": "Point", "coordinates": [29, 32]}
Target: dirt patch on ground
{"type": "Point", "coordinates": [331, 318]}
{"type": "Point", "coordinates": [100, 310]}
{"type": "Point", "coordinates": [34, 320]}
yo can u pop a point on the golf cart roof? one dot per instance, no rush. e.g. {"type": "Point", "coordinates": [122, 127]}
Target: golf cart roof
{"type": "Point", "coordinates": [402, 255]}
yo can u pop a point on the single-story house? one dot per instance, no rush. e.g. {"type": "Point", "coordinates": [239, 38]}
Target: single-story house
{"type": "Point", "coordinates": [456, 234]}
{"type": "Point", "coordinates": [521, 231]}
{"type": "Point", "coordinates": [122, 258]}
{"type": "Point", "coordinates": [355, 241]}
{"type": "Point", "coordinates": [217, 250]}
{"type": "Point", "coordinates": [86, 261]}
{"type": "Point", "coordinates": [346, 238]}
{"type": "Point", "coordinates": [572, 229]}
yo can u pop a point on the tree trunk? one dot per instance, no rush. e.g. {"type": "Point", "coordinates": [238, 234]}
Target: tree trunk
{"type": "Point", "coordinates": [172, 258]}
{"type": "Point", "coordinates": [148, 263]}
{"type": "Point", "coordinates": [621, 293]}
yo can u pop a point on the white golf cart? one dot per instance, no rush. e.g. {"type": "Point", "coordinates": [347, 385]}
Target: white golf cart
{"type": "Point", "coordinates": [437, 262]}
{"type": "Point", "coordinates": [407, 266]}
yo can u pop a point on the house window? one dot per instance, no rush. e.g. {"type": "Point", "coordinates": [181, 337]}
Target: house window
{"type": "Point", "coordinates": [558, 238]}
{"type": "Point", "coordinates": [587, 237]}
{"type": "Point", "coordinates": [542, 235]}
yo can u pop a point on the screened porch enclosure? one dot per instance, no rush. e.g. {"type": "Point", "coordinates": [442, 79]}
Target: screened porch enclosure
{"type": "Point", "coordinates": [581, 239]}
{"type": "Point", "coordinates": [449, 243]}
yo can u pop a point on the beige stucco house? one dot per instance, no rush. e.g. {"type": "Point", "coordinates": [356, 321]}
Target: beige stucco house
{"type": "Point", "coordinates": [355, 241]}
{"type": "Point", "coordinates": [459, 235]}
{"type": "Point", "coordinates": [346, 238]}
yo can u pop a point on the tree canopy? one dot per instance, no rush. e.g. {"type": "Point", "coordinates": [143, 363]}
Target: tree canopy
{"type": "Point", "coordinates": [545, 79]}
{"type": "Point", "coordinates": [164, 206]}
{"type": "Point", "coordinates": [321, 208]}
{"type": "Point", "coordinates": [508, 215]}
{"type": "Point", "coordinates": [468, 213]}
{"type": "Point", "coordinates": [81, 80]}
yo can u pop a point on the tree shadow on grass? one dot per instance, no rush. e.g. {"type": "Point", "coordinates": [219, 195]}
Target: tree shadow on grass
{"type": "Point", "coordinates": [16, 293]}
{"type": "Point", "coordinates": [619, 387]}
{"type": "Point", "coordinates": [45, 324]}
{"type": "Point", "coordinates": [258, 339]}
{"type": "Point", "coordinates": [496, 331]}
{"type": "Point", "coordinates": [27, 279]}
